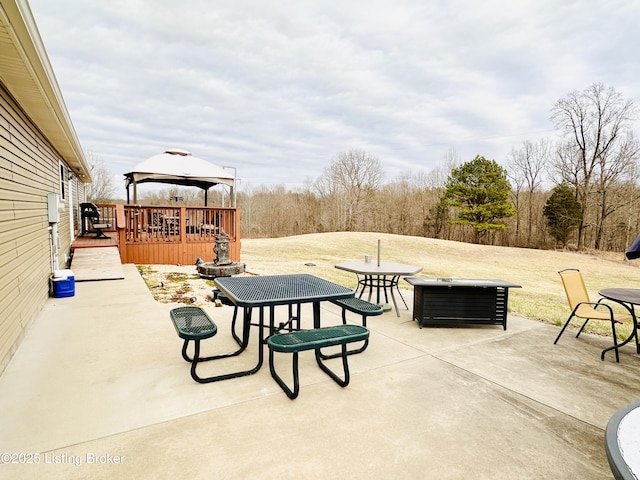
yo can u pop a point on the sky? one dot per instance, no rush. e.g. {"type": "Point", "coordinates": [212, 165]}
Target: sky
{"type": "Point", "coordinates": [278, 89]}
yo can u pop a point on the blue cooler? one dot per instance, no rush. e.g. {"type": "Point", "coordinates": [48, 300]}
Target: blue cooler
{"type": "Point", "coordinates": [64, 283]}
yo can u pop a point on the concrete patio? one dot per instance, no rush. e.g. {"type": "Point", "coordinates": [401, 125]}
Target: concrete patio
{"type": "Point", "coordinates": [98, 389]}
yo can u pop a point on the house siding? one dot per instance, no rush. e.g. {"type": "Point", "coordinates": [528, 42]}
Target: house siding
{"type": "Point", "coordinates": [29, 170]}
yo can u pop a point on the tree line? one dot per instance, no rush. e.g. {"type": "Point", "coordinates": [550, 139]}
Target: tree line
{"type": "Point", "coordinates": [579, 192]}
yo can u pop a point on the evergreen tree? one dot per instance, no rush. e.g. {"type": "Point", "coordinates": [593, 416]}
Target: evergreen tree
{"type": "Point", "coordinates": [480, 190]}
{"type": "Point", "coordinates": [563, 212]}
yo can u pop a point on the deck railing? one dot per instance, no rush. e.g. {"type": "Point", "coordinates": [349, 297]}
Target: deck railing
{"type": "Point", "coordinates": [169, 234]}
{"type": "Point", "coordinates": [181, 224]}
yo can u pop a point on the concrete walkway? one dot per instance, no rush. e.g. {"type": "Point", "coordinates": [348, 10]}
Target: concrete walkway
{"type": "Point", "coordinates": [98, 389]}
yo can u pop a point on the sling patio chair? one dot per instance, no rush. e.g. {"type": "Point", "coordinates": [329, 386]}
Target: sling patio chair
{"type": "Point", "coordinates": [582, 307]}
{"type": "Point", "coordinates": [156, 226]}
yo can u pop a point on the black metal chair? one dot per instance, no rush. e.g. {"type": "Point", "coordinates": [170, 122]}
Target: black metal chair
{"type": "Point", "coordinates": [156, 226]}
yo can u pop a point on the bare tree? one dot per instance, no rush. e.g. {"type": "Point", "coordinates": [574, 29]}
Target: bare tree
{"type": "Point", "coordinates": [525, 169]}
{"type": "Point", "coordinates": [332, 211]}
{"type": "Point", "coordinates": [452, 159]}
{"type": "Point", "coordinates": [614, 176]}
{"type": "Point", "coordinates": [350, 182]}
{"type": "Point", "coordinates": [101, 190]}
{"type": "Point", "coordinates": [599, 148]}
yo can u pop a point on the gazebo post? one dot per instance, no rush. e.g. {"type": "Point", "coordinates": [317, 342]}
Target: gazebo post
{"type": "Point", "coordinates": [206, 196]}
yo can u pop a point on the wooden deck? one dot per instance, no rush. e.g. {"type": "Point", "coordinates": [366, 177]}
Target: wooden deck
{"type": "Point", "coordinates": [166, 235]}
{"type": "Point", "coordinates": [89, 241]}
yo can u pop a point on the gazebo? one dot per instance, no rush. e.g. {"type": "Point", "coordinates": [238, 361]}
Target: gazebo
{"type": "Point", "coordinates": [179, 167]}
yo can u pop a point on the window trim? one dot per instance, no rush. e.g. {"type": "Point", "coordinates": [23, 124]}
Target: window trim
{"type": "Point", "coordinates": [63, 178]}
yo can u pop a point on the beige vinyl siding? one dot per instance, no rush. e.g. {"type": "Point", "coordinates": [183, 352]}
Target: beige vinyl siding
{"type": "Point", "coordinates": [29, 169]}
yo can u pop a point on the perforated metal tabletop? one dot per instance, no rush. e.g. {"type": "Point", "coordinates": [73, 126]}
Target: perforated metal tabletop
{"type": "Point", "coordinates": [267, 290]}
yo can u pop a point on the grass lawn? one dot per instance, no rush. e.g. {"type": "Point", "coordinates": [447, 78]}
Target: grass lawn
{"type": "Point", "coordinates": [541, 296]}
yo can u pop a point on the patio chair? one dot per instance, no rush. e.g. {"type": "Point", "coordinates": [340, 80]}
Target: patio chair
{"type": "Point", "coordinates": [582, 307]}
{"type": "Point", "coordinates": [156, 225]}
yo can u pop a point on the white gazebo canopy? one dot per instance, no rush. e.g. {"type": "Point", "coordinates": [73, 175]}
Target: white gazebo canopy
{"type": "Point", "coordinates": [178, 167]}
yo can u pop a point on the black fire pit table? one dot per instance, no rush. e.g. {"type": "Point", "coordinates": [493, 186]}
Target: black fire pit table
{"type": "Point", "coordinates": [460, 301]}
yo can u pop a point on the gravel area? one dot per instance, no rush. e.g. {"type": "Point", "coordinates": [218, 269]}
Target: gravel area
{"type": "Point", "coordinates": [177, 284]}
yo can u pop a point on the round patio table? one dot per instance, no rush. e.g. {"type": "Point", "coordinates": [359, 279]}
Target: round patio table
{"type": "Point", "coordinates": [628, 298]}
{"type": "Point", "coordinates": [622, 442]}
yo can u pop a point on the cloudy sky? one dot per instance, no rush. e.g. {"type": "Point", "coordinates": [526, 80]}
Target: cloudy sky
{"type": "Point", "coordinates": [277, 89]}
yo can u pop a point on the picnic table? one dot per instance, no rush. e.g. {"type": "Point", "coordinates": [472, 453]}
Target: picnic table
{"type": "Point", "coordinates": [269, 291]}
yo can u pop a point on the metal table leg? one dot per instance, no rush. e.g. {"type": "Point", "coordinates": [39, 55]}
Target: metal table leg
{"type": "Point", "coordinates": [245, 336]}
{"type": "Point", "coordinates": [634, 333]}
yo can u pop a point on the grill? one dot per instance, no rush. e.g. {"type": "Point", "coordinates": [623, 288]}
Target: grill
{"type": "Point", "coordinates": [88, 211]}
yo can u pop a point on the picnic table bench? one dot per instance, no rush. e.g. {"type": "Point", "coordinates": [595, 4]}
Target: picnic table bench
{"type": "Point", "coordinates": [315, 339]}
{"type": "Point", "coordinates": [193, 324]}
{"type": "Point", "coordinates": [361, 307]}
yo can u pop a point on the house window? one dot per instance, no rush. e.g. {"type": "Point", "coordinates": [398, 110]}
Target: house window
{"type": "Point", "coordinates": [63, 177]}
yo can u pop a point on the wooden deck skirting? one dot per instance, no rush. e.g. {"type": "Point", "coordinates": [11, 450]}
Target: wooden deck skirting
{"type": "Point", "coordinates": [167, 234]}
